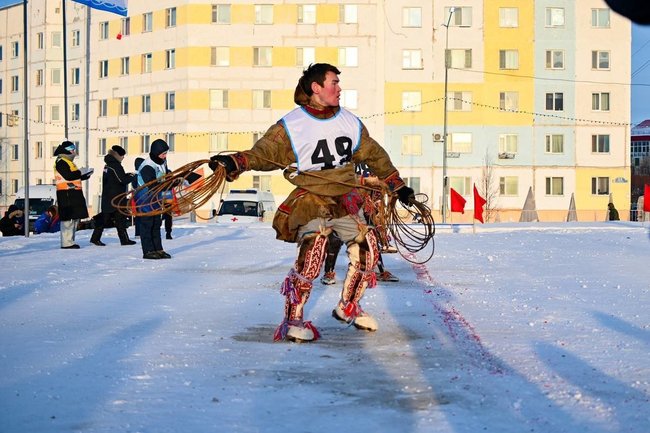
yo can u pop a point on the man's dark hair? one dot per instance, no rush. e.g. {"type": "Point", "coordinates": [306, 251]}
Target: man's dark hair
{"type": "Point", "coordinates": [315, 73]}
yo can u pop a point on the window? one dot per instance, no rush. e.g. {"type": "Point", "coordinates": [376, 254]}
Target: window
{"type": "Point", "coordinates": [146, 103]}
{"type": "Point", "coordinates": [306, 14]}
{"type": "Point", "coordinates": [170, 138]}
{"type": "Point", "coordinates": [103, 68]}
{"type": "Point", "coordinates": [509, 185]}
{"type": "Point", "coordinates": [349, 56]}
{"type": "Point", "coordinates": [600, 185]}
{"type": "Point", "coordinates": [55, 77]}
{"type": "Point", "coordinates": [600, 101]}
{"type": "Point", "coordinates": [170, 58]}
{"type": "Point", "coordinates": [412, 17]}
{"type": "Point", "coordinates": [508, 143]}
{"type": "Point", "coordinates": [554, 143]}
{"type": "Point", "coordinates": [263, 14]}
{"type": "Point", "coordinates": [101, 146]}
{"type": "Point", "coordinates": [170, 17]}
{"type": "Point", "coordinates": [460, 184]}
{"type": "Point", "coordinates": [459, 101]}
{"type": "Point", "coordinates": [262, 183]}
{"type": "Point", "coordinates": [145, 143]}
{"type": "Point", "coordinates": [38, 150]}
{"type": "Point", "coordinates": [414, 183]}
{"type": "Point", "coordinates": [412, 144]}
{"type": "Point", "coordinates": [75, 112]}
{"type": "Point", "coordinates": [460, 142]}
{"type": "Point", "coordinates": [147, 22]}
{"type": "Point", "coordinates": [102, 110]}
{"type": "Point", "coordinates": [600, 143]}
{"type": "Point", "coordinates": [147, 62]}
{"type": "Point", "coordinates": [0, 53]}
{"type": "Point", "coordinates": [221, 14]}
{"type": "Point", "coordinates": [15, 83]}
{"type": "Point", "coordinates": [55, 113]}
{"type": "Point", "coordinates": [14, 183]}
{"type": "Point", "coordinates": [262, 56]}
{"type": "Point", "coordinates": [170, 101]}
{"type": "Point", "coordinates": [554, 17]}
{"type": "Point", "coordinates": [509, 101]}
{"type": "Point", "coordinates": [411, 59]}
{"type": "Point", "coordinates": [348, 14]}
{"type": "Point", "coordinates": [39, 113]}
{"type": "Point", "coordinates": [126, 26]}
{"type": "Point", "coordinates": [56, 39]}
{"type": "Point", "coordinates": [124, 105]}
{"type": "Point", "coordinates": [218, 142]}
{"type": "Point", "coordinates": [75, 76]}
{"type": "Point", "coordinates": [600, 18]}
{"type": "Point", "coordinates": [412, 101]}
{"type": "Point", "coordinates": [15, 49]}
{"type": "Point", "coordinates": [349, 99]}
{"type": "Point", "coordinates": [508, 17]}
{"type": "Point", "coordinates": [508, 59]}
{"type": "Point", "coordinates": [40, 41]}
{"type": "Point", "coordinates": [39, 77]}
{"type": "Point", "coordinates": [76, 38]}
{"type": "Point", "coordinates": [305, 56]}
{"type": "Point", "coordinates": [459, 58]}
{"type": "Point", "coordinates": [554, 59]}
{"type": "Point", "coordinates": [103, 30]}
{"type": "Point", "coordinates": [261, 99]}
{"type": "Point", "coordinates": [218, 99]}
{"type": "Point", "coordinates": [555, 101]}
{"type": "Point", "coordinates": [554, 186]}
{"type": "Point", "coordinates": [220, 56]}
{"type": "Point", "coordinates": [600, 60]}
{"type": "Point", "coordinates": [125, 65]}
{"type": "Point", "coordinates": [124, 143]}
{"type": "Point", "coordinates": [462, 16]}
{"type": "Point", "coordinates": [12, 119]}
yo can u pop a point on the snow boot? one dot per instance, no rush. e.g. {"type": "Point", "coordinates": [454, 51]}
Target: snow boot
{"type": "Point", "coordinates": [329, 278]}
{"type": "Point", "coordinates": [362, 320]}
{"type": "Point", "coordinates": [387, 276]}
{"type": "Point", "coordinates": [124, 238]}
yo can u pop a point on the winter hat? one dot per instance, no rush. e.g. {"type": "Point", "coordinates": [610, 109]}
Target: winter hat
{"type": "Point", "coordinates": [65, 148]}
{"type": "Point", "coordinates": [119, 150]}
{"type": "Point", "coordinates": [138, 162]}
{"type": "Point", "coordinates": [158, 147]}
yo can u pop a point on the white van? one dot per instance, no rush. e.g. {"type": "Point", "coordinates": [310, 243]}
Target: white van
{"type": "Point", "coordinates": [40, 198]}
{"type": "Point", "coordinates": [246, 205]}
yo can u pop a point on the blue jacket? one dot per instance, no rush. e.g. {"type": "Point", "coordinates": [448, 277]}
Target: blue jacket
{"type": "Point", "coordinates": [44, 224]}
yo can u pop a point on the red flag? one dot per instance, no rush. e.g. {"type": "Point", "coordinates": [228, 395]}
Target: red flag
{"type": "Point", "coordinates": [646, 198]}
{"type": "Point", "coordinates": [457, 202]}
{"type": "Point", "coordinates": [479, 202]}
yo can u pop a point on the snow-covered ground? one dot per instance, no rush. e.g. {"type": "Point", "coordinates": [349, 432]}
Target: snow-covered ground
{"type": "Point", "coordinates": [515, 328]}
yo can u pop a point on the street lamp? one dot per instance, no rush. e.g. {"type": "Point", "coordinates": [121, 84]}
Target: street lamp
{"type": "Point", "coordinates": [444, 131]}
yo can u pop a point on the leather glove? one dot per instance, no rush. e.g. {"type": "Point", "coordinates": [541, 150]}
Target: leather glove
{"type": "Point", "coordinates": [406, 195]}
{"type": "Point", "coordinates": [224, 160]}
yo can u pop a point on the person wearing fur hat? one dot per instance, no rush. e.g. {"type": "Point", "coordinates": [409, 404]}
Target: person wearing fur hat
{"type": "Point", "coordinates": [151, 169]}
{"type": "Point", "coordinates": [325, 139]}
{"type": "Point", "coordinates": [12, 223]}
{"type": "Point", "coordinates": [114, 182]}
{"type": "Point", "coordinates": [69, 194]}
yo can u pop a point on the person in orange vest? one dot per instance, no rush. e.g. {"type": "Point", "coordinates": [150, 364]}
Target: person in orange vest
{"type": "Point", "coordinates": [69, 195]}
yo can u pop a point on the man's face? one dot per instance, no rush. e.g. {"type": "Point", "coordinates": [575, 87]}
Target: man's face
{"type": "Point", "coordinates": [330, 93]}
{"type": "Point", "coordinates": [163, 155]}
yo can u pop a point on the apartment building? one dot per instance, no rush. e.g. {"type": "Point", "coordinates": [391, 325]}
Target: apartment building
{"type": "Point", "coordinates": [537, 93]}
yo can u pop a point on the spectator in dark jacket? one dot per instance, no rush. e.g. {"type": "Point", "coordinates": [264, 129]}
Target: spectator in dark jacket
{"type": "Point", "coordinates": [612, 213]}
{"type": "Point", "coordinates": [12, 223]}
{"type": "Point", "coordinates": [134, 185]}
{"type": "Point", "coordinates": [69, 195]}
{"type": "Point", "coordinates": [114, 182]}
{"type": "Point", "coordinates": [48, 222]}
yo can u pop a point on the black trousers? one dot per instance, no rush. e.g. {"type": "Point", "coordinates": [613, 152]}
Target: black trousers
{"type": "Point", "coordinates": [150, 233]}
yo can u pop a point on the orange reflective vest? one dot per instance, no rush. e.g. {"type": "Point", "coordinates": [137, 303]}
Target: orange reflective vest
{"type": "Point", "coordinates": [63, 184]}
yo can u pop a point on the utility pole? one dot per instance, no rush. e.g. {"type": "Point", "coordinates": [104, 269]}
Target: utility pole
{"type": "Point", "coordinates": [445, 186]}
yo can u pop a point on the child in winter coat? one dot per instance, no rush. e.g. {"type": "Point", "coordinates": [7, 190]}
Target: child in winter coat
{"type": "Point", "coordinates": [48, 222]}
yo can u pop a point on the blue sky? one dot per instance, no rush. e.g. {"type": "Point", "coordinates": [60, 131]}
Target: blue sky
{"type": "Point", "coordinates": [640, 69]}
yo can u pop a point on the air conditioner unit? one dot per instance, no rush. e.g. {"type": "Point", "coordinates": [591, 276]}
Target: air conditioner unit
{"type": "Point", "coordinates": [506, 155]}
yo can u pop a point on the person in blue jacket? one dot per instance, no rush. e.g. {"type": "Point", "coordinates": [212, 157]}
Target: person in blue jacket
{"type": "Point", "coordinates": [48, 222]}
